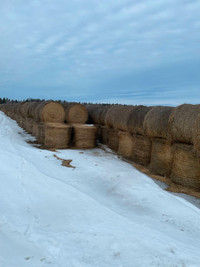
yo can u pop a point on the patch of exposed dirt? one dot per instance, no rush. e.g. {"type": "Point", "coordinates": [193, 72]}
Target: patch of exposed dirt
{"type": "Point", "coordinates": [65, 162]}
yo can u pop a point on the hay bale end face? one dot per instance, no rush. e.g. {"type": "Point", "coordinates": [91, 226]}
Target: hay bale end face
{"type": "Point", "coordinates": [161, 157]}
{"type": "Point", "coordinates": [57, 135]}
{"type": "Point", "coordinates": [182, 123]}
{"type": "Point", "coordinates": [84, 136]}
{"type": "Point", "coordinates": [75, 113]}
{"type": "Point", "coordinates": [156, 122]}
{"type": "Point", "coordinates": [141, 149]}
{"type": "Point", "coordinates": [186, 166]}
{"type": "Point", "coordinates": [49, 112]}
{"type": "Point", "coordinates": [125, 147]}
{"type": "Point", "coordinates": [136, 119]}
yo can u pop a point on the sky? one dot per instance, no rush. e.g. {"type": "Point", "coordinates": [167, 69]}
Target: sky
{"type": "Point", "coordinates": [118, 51]}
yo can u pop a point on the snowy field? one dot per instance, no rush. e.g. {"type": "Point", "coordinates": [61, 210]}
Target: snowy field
{"type": "Point", "coordinates": [102, 213]}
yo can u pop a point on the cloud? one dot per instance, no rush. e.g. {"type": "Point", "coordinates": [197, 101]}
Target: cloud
{"type": "Point", "coordinates": [85, 45]}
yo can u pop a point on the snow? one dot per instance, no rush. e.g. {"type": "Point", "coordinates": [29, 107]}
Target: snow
{"type": "Point", "coordinates": [101, 213]}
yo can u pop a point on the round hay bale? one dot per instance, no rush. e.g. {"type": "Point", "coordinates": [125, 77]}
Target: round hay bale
{"type": "Point", "coordinates": [57, 135]}
{"type": "Point", "coordinates": [49, 111]}
{"type": "Point", "coordinates": [104, 135]}
{"type": "Point", "coordinates": [141, 149]}
{"type": "Point", "coordinates": [182, 123]}
{"type": "Point", "coordinates": [186, 166]}
{"type": "Point", "coordinates": [31, 109]}
{"type": "Point", "coordinates": [84, 136]}
{"type": "Point", "coordinates": [117, 117]}
{"type": "Point", "coordinates": [24, 109]}
{"type": "Point", "coordinates": [75, 113]}
{"type": "Point", "coordinates": [125, 147]}
{"type": "Point", "coordinates": [161, 157]}
{"type": "Point", "coordinates": [113, 139]}
{"type": "Point", "coordinates": [136, 119]}
{"type": "Point", "coordinates": [97, 113]}
{"type": "Point", "coordinates": [156, 122]}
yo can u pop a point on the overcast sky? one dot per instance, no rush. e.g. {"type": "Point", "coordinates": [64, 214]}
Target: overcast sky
{"type": "Point", "coordinates": [127, 51]}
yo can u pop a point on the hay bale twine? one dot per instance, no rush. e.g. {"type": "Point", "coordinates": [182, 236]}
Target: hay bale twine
{"type": "Point", "coordinates": [49, 111]}
{"type": "Point", "coordinates": [186, 166]}
{"type": "Point", "coordinates": [113, 139]}
{"type": "Point", "coordinates": [57, 135]}
{"type": "Point", "coordinates": [182, 123]}
{"type": "Point", "coordinates": [75, 113]}
{"type": "Point", "coordinates": [117, 117]}
{"type": "Point", "coordinates": [156, 122]}
{"type": "Point", "coordinates": [125, 147]}
{"type": "Point", "coordinates": [161, 157]}
{"type": "Point", "coordinates": [84, 136]}
{"type": "Point", "coordinates": [141, 149]}
{"type": "Point", "coordinates": [104, 135]}
{"type": "Point", "coordinates": [136, 119]}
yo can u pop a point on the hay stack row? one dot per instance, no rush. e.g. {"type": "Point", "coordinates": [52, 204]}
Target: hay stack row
{"type": "Point", "coordinates": [55, 125]}
{"type": "Point", "coordinates": [165, 139]}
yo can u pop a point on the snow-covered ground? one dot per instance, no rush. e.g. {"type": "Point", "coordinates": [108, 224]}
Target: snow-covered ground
{"type": "Point", "coordinates": [101, 213]}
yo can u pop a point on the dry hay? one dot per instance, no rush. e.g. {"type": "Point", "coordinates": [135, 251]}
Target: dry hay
{"type": "Point", "coordinates": [24, 109]}
{"type": "Point", "coordinates": [113, 139]}
{"type": "Point", "coordinates": [31, 109]}
{"type": "Point", "coordinates": [161, 157]}
{"type": "Point", "coordinates": [182, 123]}
{"type": "Point", "coordinates": [156, 122]}
{"type": "Point", "coordinates": [196, 136]}
{"type": "Point", "coordinates": [125, 147]}
{"type": "Point", "coordinates": [29, 125]}
{"type": "Point", "coordinates": [136, 119]}
{"type": "Point", "coordinates": [57, 135]}
{"type": "Point", "coordinates": [65, 162]}
{"type": "Point", "coordinates": [75, 113]}
{"type": "Point", "coordinates": [186, 166]}
{"type": "Point", "coordinates": [84, 136]}
{"type": "Point", "coordinates": [117, 117]}
{"type": "Point", "coordinates": [97, 113]}
{"type": "Point", "coordinates": [104, 135]}
{"type": "Point", "coordinates": [141, 149]}
{"type": "Point", "coordinates": [49, 111]}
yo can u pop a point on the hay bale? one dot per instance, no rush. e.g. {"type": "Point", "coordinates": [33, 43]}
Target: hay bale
{"type": "Point", "coordinates": [84, 136]}
{"type": "Point", "coordinates": [141, 149]}
{"type": "Point", "coordinates": [35, 129]}
{"type": "Point", "coordinates": [186, 166]}
{"type": "Point", "coordinates": [104, 135]}
{"type": "Point", "coordinates": [49, 111]}
{"type": "Point", "coordinates": [117, 117]}
{"type": "Point", "coordinates": [136, 119]}
{"type": "Point", "coordinates": [97, 113]}
{"type": "Point", "coordinates": [57, 135]}
{"type": "Point", "coordinates": [29, 125]}
{"type": "Point", "coordinates": [161, 157]}
{"type": "Point", "coordinates": [125, 147]}
{"type": "Point", "coordinates": [75, 113]}
{"type": "Point", "coordinates": [31, 109]}
{"type": "Point", "coordinates": [113, 139]}
{"type": "Point", "coordinates": [156, 122]}
{"type": "Point", "coordinates": [182, 123]}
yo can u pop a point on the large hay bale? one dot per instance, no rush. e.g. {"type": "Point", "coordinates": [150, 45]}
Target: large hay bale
{"type": "Point", "coordinates": [31, 110]}
{"type": "Point", "coordinates": [117, 117]}
{"type": "Point", "coordinates": [57, 135]}
{"type": "Point", "coordinates": [75, 113]}
{"type": "Point", "coordinates": [49, 111]}
{"type": "Point", "coordinates": [161, 157]}
{"type": "Point", "coordinates": [125, 147]}
{"type": "Point", "coordinates": [104, 135]}
{"type": "Point", "coordinates": [182, 123]}
{"type": "Point", "coordinates": [113, 139]}
{"type": "Point", "coordinates": [156, 122]}
{"type": "Point", "coordinates": [97, 112]}
{"type": "Point", "coordinates": [186, 166]}
{"type": "Point", "coordinates": [24, 109]}
{"type": "Point", "coordinates": [141, 149]}
{"type": "Point", "coordinates": [136, 119]}
{"type": "Point", "coordinates": [29, 125]}
{"type": "Point", "coordinates": [84, 136]}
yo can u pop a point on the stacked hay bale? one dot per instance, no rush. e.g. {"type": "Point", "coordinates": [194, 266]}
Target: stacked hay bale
{"type": "Point", "coordinates": [141, 151]}
{"type": "Point", "coordinates": [116, 121]}
{"type": "Point", "coordinates": [156, 126]}
{"type": "Point", "coordinates": [184, 123]}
